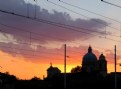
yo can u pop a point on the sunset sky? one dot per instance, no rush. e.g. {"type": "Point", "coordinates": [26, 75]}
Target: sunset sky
{"type": "Point", "coordinates": [27, 47]}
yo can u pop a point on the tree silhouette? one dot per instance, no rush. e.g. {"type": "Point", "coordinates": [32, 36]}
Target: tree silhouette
{"type": "Point", "coordinates": [76, 69]}
{"type": "Point", "coordinates": [35, 78]}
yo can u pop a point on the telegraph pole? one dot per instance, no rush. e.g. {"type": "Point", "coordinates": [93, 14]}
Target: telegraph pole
{"type": "Point", "coordinates": [28, 8]}
{"type": "Point", "coordinates": [65, 66]}
{"type": "Point", "coordinates": [35, 9]}
{"type": "Point", "coordinates": [115, 69]}
{"type": "Point", "coordinates": [115, 46]}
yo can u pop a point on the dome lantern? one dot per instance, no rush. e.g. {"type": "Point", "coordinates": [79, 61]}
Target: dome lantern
{"type": "Point", "coordinates": [90, 49]}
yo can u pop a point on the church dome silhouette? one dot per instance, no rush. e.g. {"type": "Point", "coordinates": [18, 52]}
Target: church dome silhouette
{"type": "Point", "coordinates": [89, 57]}
{"type": "Point", "coordinates": [89, 62]}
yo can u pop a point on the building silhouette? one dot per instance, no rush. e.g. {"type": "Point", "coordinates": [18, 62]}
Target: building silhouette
{"type": "Point", "coordinates": [90, 63]}
{"type": "Point", "coordinates": [102, 65]}
{"type": "Point", "coordinates": [51, 71]}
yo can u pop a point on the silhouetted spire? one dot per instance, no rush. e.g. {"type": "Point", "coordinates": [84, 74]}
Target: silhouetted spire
{"type": "Point", "coordinates": [102, 57]}
{"type": "Point", "coordinates": [50, 64]}
{"type": "Point", "coordinates": [90, 49]}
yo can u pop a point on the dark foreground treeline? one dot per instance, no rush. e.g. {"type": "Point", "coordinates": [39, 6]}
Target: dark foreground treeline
{"type": "Point", "coordinates": [74, 81]}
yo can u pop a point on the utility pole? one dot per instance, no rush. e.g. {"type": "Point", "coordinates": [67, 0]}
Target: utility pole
{"type": "Point", "coordinates": [115, 69]}
{"type": "Point", "coordinates": [28, 8]}
{"type": "Point", "coordinates": [65, 66]}
{"type": "Point", "coordinates": [35, 9]}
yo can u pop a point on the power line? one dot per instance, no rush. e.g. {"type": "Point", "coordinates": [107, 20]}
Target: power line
{"type": "Point", "coordinates": [89, 11]}
{"type": "Point", "coordinates": [58, 24]}
{"type": "Point", "coordinates": [86, 33]}
{"type": "Point", "coordinates": [34, 39]}
{"type": "Point", "coordinates": [53, 23]}
{"type": "Point", "coordinates": [27, 8]}
{"type": "Point", "coordinates": [111, 3]}
{"type": "Point", "coordinates": [30, 50]}
{"type": "Point", "coordinates": [22, 36]}
{"type": "Point", "coordinates": [35, 8]}
{"type": "Point", "coordinates": [92, 13]}
{"type": "Point", "coordinates": [33, 51]}
{"type": "Point", "coordinates": [68, 29]}
{"type": "Point", "coordinates": [30, 56]}
{"type": "Point", "coordinates": [30, 32]}
{"type": "Point", "coordinates": [41, 46]}
{"type": "Point", "coordinates": [37, 51]}
{"type": "Point", "coordinates": [49, 22]}
{"type": "Point", "coordinates": [38, 34]}
{"type": "Point", "coordinates": [26, 43]}
{"type": "Point", "coordinates": [81, 14]}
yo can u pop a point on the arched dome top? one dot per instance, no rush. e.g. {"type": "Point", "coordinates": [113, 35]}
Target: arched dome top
{"type": "Point", "coordinates": [89, 57]}
{"type": "Point", "coordinates": [102, 57]}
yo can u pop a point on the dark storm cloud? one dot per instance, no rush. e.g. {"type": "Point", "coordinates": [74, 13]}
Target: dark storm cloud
{"type": "Point", "coordinates": [42, 32]}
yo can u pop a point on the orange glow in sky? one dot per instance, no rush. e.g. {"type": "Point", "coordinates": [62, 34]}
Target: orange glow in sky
{"type": "Point", "coordinates": [23, 69]}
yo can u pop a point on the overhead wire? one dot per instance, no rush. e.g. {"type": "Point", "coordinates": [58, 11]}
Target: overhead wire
{"type": "Point", "coordinates": [19, 29]}
{"type": "Point", "coordinates": [110, 39]}
{"type": "Point", "coordinates": [58, 24]}
{"type": "Point", "coordinates": [38, 51]}
{"type": "Point", "coordinates": [80, 14]}
{"type": "Point", "coordinates": [73, 57]}
{"type": "Point", "coordinates": [31, 38]}
{"type": "Point", "coordinates": [32, 18]}
{"type": "Point", "coordinates": [89, 11]}
{"type": "Point", "coordinates": [12, 13]}
{"type": "Point", "coordinates": [30, 56]}
{"type": "Point", "coordinates": [26, 43]}
{"type": "Point", "coordinates": [35, 8]}
{"type": "Point", "coordinates": [27, 8]}
{"type": "Point", "coordinates": [111, 3]}
{"type": "Point", "coordinates": [53, 23]}
{"type": "Point", "coordinates": [34, 55]}
{"type": "Point", "coordinates": [92, 13]}
{"type": "Point", "coordinates": [38, 34]}
{"type": "Point", "coordinates": [31, 50]}
{"type": "Point", "coordinates": [41, 46]}
{"type": "Point", "coordinates": [28, 32]}
{"type": "Point", "coordinates": [86, 17]}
